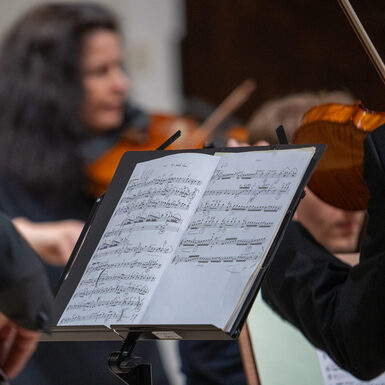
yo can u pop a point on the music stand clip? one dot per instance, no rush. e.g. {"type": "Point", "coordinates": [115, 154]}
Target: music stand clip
{"type": "Point", "coordinates": [128, 368]}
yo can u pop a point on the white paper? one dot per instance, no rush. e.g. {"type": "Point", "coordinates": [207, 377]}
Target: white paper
{"type": "Point", "coordinates": [333, 375]}
{"type": "Point", "coordinates": [233, 227]}
{"type": "Point", "coordinates": [170, 255]}
{"type": "Point", "coordinates": [140, 240]}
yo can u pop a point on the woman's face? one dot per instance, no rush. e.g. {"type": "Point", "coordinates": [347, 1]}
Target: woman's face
{"type": "Point", "coordinates": [104, 81]}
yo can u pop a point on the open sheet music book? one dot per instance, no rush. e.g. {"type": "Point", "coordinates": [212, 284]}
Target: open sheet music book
{"type": "Point", "coordinates": [187, 239]}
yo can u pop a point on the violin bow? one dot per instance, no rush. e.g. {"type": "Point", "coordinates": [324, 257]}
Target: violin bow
{"type": "Point", "coordinates": [363, 37]}
{"type": "Point", "coordinates": [233, 101]}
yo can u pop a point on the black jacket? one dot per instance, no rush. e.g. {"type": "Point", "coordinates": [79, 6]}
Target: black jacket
{"type": "Point", "coordinates": [25, 296]}
{"type": "Point", "coordinates": [339, 309]}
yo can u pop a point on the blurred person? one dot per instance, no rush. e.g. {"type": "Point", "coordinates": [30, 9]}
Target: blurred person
{"type": "Point", "coordinates": [25, 300]}
{"type": "Point", "coordinates": [53, 241]}
{"type": "Point", "coordinates": [339, 309]}
{"type": "Point", "coordinates": [288, 111]}
{"type": "Point", "coordinates": [63, 101]}
{"type": "Point", "coordinates": [337, 230]}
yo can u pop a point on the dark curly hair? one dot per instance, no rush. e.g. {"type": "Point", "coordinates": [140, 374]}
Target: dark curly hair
{"type": "Point", "coordinates": [41, 94]}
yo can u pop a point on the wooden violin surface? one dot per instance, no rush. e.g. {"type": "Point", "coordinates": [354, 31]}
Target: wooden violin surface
{"type": "Point", "coordinates": [338, 179]}
{"type": "Point", "coordinates": [101, 171]}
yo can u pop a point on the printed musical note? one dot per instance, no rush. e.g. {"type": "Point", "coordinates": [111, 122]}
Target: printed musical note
{"type": "Point", "coordinates": [286, 172]}
{"type": "Point", "coordinates": [227, 207]}
{"type": "Point", "coordinates": [188, 229]}
{"type": "Point", "coordinates": [139, 241]}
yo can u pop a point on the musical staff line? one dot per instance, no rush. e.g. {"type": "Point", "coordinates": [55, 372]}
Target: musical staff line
{"type": "Point", "coordinates": [287, 172]}
{"type": "Point", "coordinates": [185, 219]}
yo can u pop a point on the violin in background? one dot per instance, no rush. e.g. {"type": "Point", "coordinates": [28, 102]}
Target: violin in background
{"type": "Point", "coordinates": [338, 179]}
{"type": "Point", "coordinates": [162, 127]}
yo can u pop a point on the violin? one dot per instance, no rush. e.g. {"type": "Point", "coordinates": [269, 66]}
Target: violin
{"type": "Point", "coordinates": [338, 179]}
{"type": "Point", "coordinates": [161, 127]}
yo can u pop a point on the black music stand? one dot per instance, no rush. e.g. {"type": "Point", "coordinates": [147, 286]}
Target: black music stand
{"type": "Point", "coordinates": [122, 364]}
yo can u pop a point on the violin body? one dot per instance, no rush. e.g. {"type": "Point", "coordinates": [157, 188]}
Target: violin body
{"type": "Point", "coordinates": [161, 127]}
{"type": "Point", "coordinates": [338, 179]}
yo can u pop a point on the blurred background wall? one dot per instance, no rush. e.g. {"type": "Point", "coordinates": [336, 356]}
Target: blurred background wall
{"type": "Point", "coordinates": [286, 46]}
{"type": "Point", "coordinates": [153, 30]}
{"type": "Point", "coordinates": [188, 50]}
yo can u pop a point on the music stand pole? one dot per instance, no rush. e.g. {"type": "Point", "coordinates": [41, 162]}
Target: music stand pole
{"type": "Point", "coordinates": [128, 368]}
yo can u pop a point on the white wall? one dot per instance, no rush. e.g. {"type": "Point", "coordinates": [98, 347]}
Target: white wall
{"type": "Point", "coordinates": [152, 31]}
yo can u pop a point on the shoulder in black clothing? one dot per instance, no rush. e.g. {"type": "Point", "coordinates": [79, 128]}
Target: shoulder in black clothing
{"type": "Point", "coordinates": [25, 296]}
{"type": "Point", "coordinates": [341, 310]}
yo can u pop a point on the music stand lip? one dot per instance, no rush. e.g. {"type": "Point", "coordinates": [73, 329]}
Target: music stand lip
{"type": "Point", "coordinates": [145, 332]}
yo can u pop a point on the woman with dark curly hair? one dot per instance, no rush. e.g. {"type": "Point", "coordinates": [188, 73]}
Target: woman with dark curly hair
{"type": "Point", "coordinates": [63, 98]}
{"type": "Point", "coordinates": [62, 81]}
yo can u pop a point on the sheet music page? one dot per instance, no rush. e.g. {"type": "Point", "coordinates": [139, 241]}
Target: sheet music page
{"type": "Point", "coordinates": [333, 375]}
{"type": "Point", "coordinates": [228, 236]}
{"type": "Point", "coordinates": [139, 240]}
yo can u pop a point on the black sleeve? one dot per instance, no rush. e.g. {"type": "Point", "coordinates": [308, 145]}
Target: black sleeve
{"type": "Point", "coordinates": [25, 296]}
{"type": "Point", "coordinates": [341, 310]}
